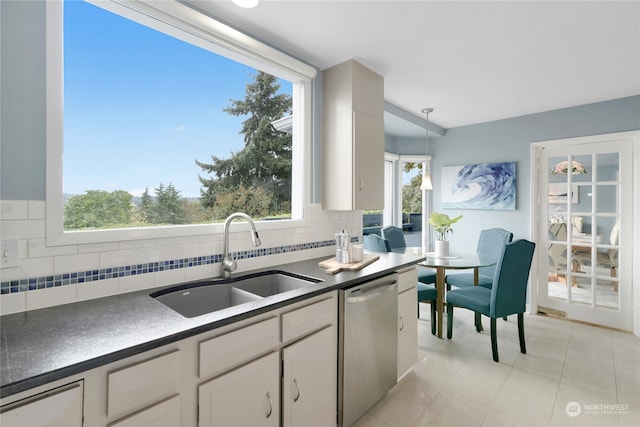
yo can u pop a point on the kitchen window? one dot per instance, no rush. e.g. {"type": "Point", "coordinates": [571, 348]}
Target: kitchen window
{"type": "Point", "coordinates": [105, 119]}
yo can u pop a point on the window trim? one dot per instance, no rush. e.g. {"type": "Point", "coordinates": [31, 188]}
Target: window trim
{"type": "Point", "coordinates": [192, 26]}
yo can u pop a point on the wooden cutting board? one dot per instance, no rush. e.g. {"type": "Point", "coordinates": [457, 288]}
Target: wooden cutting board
{"type": "Point", "coordinates": [334, 267]}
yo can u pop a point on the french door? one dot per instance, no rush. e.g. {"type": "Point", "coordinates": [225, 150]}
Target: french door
{"type": "Point", "coordinates": [585, 230]}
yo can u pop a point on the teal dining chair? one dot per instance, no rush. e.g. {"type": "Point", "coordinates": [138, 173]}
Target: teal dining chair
{"type": "Point", "coordinates": [490, 245]}
{"type": "Point", "coordinates": [395, 237]}
{"type": "Point", "coordinates": [428, 293]}
{"type": "Point", "coordinates": [507, 295]}
{"type": "Point", "coordinates": [375, 243]}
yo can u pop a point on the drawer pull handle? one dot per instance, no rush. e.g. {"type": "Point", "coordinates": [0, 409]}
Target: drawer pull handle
{"type": "Point", "coordinates": [297, 396]}
{"type": "Point", "coordinates": [268, 405]}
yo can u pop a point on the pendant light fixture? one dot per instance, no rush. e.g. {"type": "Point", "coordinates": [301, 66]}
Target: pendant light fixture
{"type": "Point", "coordinates": [247, 4]}
{"type": "Point", "coordinates": [426, 173]}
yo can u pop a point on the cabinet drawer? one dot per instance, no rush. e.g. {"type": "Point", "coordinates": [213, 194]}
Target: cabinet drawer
{"type": "Point", "coordinates": [222, 352]}
{"type": "Point", "coordinates": [407, 279]}
{"type": "Point", "coordinates": [143, 384]}
{"type": "Point", "coordinates": [166, 413]}
{"type": "Point", "coordinates": [59, 407]}
{"type": "Point", "coordinates": [307, 319]}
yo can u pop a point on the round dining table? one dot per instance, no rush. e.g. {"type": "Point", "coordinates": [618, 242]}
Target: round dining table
{"type": "Point", "coordinates": [453, 262]}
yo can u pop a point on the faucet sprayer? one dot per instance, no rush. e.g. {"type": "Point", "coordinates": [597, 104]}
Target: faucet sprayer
{"type": "Point", "coordinates": [229, 265]}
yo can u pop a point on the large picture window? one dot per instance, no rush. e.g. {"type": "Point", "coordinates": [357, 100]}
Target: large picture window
{"type": "Point", "coordinates": [169, 122]}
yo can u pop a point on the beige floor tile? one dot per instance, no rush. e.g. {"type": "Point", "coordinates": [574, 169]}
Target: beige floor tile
{"type": "Point", "coordinates": [525, 397]}
{"type": "Point", "coordinates": [497, 419]}
{"type": "Point", "coordinates": [448, 410]}
{"type": "Point", "coordinates": [456, 383]}
{"type": "Point", "coordinates": [368, 421]}
{"type": "Point", "coordinates": [478, 380]}
{"type": "Point", "coordinates": [405, 402]}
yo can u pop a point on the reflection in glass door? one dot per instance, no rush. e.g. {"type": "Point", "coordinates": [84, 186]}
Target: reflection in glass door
{"type": "Point", "coordinates": [586, 212]}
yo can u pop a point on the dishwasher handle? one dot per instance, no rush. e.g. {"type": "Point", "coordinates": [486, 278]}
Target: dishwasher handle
{"type": "Point", "coordinates": [371, 291]}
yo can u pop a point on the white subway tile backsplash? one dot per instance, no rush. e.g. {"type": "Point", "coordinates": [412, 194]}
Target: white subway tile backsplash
{"type": "Point", "coordinates": [170, 277]}
{"type": "Point", "coordinates": [37, 209]}
{"type": "Point", "coordinates": [37, 248]}
{"type": "Point", "coordinates": [201, 272]}
{"type": "Point", "coordinates": [41, 298]}
{"type": "Point", "coordinates": [99, 289]}
{"type": "Point", "coordinates": [80, 262]}
{"type": "Point", "coordinates": [98, 247]}
{"type": "Point", "coordinates": [14, 209]}
{"type": "Point", "coordinates": [22, 229]}
{"type": "Point", "coordinates": [135, 283]}
{"type": "Point", "coordinates": [13, 303]}
{"type": "Point", "coordinates": [37, 267]}
{"type": "Point", "coordinates": [147, 255]}
{"type": "Point", "coordinates": [118, 258]}
{"type": "Point", "coordinates": [61, 274]}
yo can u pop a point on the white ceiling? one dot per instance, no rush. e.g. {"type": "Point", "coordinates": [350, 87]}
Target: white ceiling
{"type": "Point", "coordinates": [472, 61]}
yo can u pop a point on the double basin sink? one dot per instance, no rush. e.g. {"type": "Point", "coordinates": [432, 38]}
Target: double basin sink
{"type": "Point", "coordinates": [206, 296]}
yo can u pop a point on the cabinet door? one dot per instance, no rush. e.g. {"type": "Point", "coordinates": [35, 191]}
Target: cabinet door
{"type": "Point", "coordinates": [368, 146]}
{"type": "Point", "coordinates": [61, 407]}
{"type": "Point", "coordinates": [309, 380]}
{"type": "Point", "coordinates": [246, 396]}
{"type": "Point", "coordinates": [407, 330]}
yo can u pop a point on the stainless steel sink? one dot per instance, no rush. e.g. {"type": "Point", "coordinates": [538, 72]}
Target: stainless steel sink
{"type": "Point", "coordinates": [273, 283]}
{"type": "Point", "coordinates": [202, 297]}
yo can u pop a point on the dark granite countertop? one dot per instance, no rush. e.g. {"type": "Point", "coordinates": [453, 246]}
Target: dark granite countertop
{"type": "Point", "coordinates": [40, 346]}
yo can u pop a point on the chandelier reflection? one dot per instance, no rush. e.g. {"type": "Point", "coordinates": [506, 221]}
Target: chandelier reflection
{"type": "Point", "coordinates": [562, 168]}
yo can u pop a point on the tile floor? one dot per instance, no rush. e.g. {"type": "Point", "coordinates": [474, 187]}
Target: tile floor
{"type": "Point", "coordinates": [592, 370]}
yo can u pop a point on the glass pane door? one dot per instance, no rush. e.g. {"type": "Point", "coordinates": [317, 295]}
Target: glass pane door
{"type": "Point", "coordinates": [583, 213]}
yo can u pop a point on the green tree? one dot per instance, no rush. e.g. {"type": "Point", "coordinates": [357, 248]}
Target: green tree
{"type": "Point", "coordinates": [411, 193]}
{"type": "Point", "coordinates": [254, 202]}
{"type": "Point", "coordinates": [169, 205]}
{"type": "Point", "coordinates": [98, 209]}
{"type": "Point", "coordinates": [147, 206]}
{"type": "Point", "coordinates": [265, 160]}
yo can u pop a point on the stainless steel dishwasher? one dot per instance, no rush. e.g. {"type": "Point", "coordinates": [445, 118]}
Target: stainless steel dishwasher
{"type": "Point", "coordinates": [368, 346]}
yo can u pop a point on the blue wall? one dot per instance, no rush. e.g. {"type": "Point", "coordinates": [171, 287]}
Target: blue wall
{"type": "Point", "coordinates": [510, 140]}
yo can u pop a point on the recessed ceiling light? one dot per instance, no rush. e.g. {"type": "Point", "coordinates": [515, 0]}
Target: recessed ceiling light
{"type": "Point", "coordinates": [246, 3]}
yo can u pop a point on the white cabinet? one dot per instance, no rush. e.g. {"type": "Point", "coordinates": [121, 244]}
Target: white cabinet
{"type": "Point", "coordinates": [229, 376]}
{"type": "Point", "coordinates": [309, 380]}
{"type": "Point", "coordinates": [247, 384]}
{"type": "Point", "coordinates": [353, 135]}
{"type": "Point", "coordinates": [143, 384]}
{"type": "Point", "coordinates": [58, 407]}
{"type": "Point", "coordinates": [246, 396]}
{"type": "Point", "coordinates": [407, 320]}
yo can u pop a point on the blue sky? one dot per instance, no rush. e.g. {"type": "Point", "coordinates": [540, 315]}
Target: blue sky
{"type": "Point", "coordinates": [140, 106]}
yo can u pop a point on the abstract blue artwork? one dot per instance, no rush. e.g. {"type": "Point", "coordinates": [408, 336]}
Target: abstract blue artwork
{"type": "Point", "coordinates": [479, 186]}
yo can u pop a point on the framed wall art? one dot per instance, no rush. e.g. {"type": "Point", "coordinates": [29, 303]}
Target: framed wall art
{"type": "Point", "coordinates": [558, 193]}
{"type": "Point", "coordinates": [479, 186]}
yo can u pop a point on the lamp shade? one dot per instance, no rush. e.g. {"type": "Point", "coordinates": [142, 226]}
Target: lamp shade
{"type": "Point", "coordinates": [246, 3]}
{"type": "Point", "coordinates": [426, 182]}
{"type": "Point", "coordinates": [562, 168]}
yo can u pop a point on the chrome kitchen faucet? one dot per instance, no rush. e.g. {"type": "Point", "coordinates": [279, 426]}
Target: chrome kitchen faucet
{"type": "Point", "coordinates": [228, 265]}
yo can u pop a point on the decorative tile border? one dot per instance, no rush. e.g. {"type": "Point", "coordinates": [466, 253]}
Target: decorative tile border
{"type": "Point", "coordinates": [33, 283]}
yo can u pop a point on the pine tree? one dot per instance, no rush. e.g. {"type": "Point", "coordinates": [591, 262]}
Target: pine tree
{"type": "Point", "coordinates": [265, 160]}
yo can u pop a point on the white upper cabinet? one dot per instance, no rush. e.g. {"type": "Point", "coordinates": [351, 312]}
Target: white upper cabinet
{"type": "Point", "coordinates": [353, 135]}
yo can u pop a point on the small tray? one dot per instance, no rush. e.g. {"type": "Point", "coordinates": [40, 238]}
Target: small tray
{"type": "Point", "coordinates": [334, 266]}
